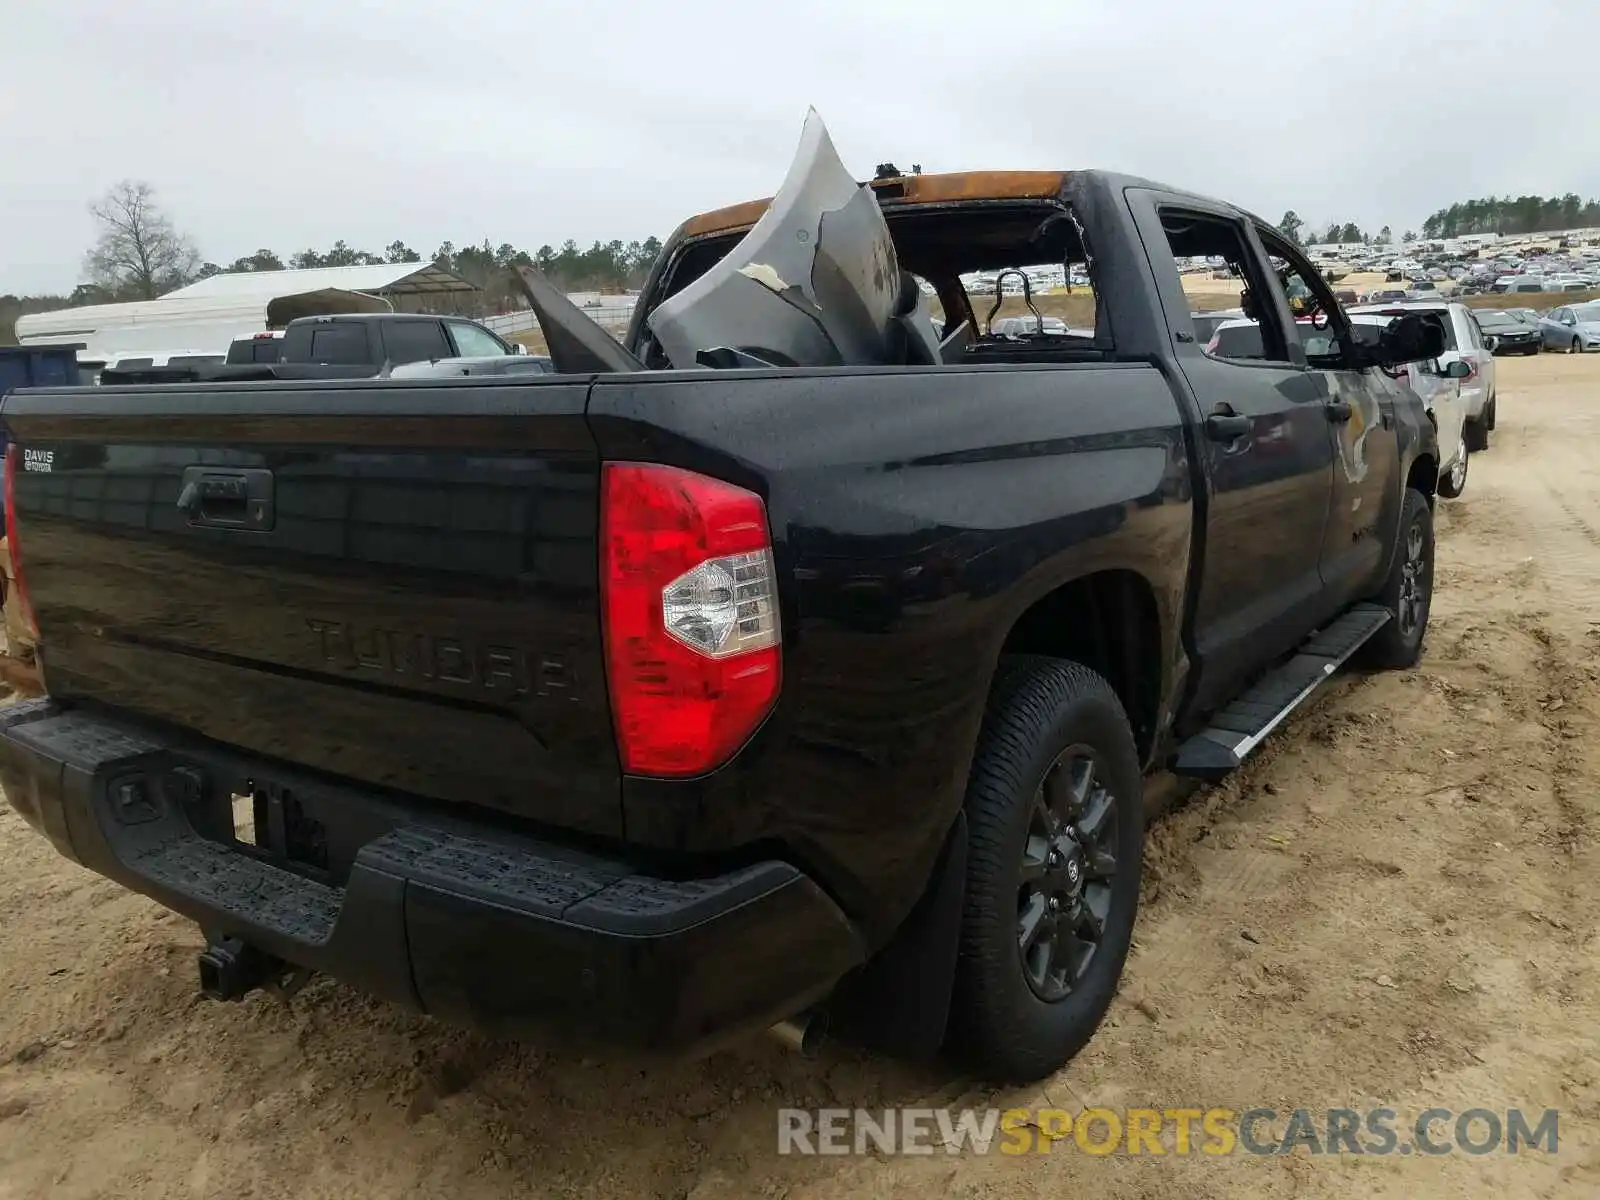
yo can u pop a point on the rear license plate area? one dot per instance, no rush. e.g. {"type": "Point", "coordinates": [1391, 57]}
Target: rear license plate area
{"type": "Point", "coordinates": [312, 827]}
{"type": "Point", "coordinates": [268, 820]}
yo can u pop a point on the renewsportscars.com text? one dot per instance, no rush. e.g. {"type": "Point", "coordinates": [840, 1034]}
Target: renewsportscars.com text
{"type": "Point", "coordinates": [1160, 1131]}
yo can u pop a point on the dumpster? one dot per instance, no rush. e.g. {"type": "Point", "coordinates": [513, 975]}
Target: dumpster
{"type": "Point", "coordinates": [51, 365]}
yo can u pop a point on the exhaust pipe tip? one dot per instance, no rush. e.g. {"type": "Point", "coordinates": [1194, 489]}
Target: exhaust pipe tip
{"type": "Point", "coordinates": [803, 1034]}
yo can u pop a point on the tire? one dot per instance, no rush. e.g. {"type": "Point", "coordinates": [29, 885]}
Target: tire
{"type": "Point", "coordinates": [1046, 719]}
{"type": "Point", "coordinates": [1408, 589]}
{"type": "Point", "coordinates": [1489, 415]}
{"type": "Point", "coordinates": [1576, 347]}
{"type": "Point", "coordinates": [1454, 481]}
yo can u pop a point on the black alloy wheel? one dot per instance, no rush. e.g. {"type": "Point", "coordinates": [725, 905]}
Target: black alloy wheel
{"type": "Point", "coordinates": [1415, 593]}
{"type": "Point", "coordinates": [1068, 863]}
{"type": "Point", "coordinates": [1407, 590]}
{"type": "Point", "coordinates": [1055, 840]}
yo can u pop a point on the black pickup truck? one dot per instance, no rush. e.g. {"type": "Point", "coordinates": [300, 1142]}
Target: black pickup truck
{"type": "Point", "coordinates": [669, 705]}
{"type": "Point", "coordinates": [338, 346]}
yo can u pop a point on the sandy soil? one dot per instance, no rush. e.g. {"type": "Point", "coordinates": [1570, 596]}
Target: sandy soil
{"type": "Point", "coordinates": [1413, 862]}
{"type": "Point", "coordinates": [1209, 292]}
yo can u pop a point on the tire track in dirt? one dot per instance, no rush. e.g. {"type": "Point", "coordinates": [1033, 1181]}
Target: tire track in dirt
{"type": "Point", "coordinates": [1575, 520]}
{"type": "Point", "coordinates": [1562, 685]}
{"type": "Point", "coordinates": [1549, 502]}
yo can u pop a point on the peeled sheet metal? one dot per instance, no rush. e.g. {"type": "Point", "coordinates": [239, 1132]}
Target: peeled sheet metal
{"type": "Point", "coordinates": [578, 345]}
{"type": "Point", "coordinates": [814, 283]}
{"type": "Point", "coordinates": [921, 340]}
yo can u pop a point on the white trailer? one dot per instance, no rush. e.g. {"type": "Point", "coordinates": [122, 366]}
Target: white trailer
{"type": "Point", "coordinates": [206, 316]}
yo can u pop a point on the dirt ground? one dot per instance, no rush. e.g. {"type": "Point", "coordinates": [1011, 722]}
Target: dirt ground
{"type": "Point", "coordinates": [1396, 904]}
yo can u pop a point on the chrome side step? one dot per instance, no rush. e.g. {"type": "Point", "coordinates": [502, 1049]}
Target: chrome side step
{"type": "Point", "coordinates": [1236, 731]}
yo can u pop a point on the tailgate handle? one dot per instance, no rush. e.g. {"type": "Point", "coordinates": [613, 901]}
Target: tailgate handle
{"type": "Point", "coordinates": [227, 499]}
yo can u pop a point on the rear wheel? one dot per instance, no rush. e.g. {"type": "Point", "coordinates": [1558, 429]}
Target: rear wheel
{"type": "Point", "coordinates": [1454, 481]}
{"type": "Point", "coordinates": [1055, 823]}
{"type": "Point", "coordinates": [1407, 592]}
{"type": "Point", "coordinates": [1488, 415]}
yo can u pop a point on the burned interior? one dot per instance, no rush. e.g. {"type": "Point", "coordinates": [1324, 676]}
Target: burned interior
{"type": "Point", "coordinates": [941, 242]}
{"type": "Point", "coordinates": [832, 272]}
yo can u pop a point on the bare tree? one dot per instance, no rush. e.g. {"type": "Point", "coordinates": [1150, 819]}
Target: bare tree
{"type": "Point", "coordinates": [138, 254]}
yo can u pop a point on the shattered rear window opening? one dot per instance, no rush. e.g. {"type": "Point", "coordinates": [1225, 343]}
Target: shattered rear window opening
{"type": "Point", "coordinates": [955, 252]}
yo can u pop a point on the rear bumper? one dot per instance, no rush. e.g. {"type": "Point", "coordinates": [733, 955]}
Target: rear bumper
{"type": "Point", "coordinates": [509, 935]}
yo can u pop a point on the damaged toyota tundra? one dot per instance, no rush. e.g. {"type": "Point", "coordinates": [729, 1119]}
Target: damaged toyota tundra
{"type": "Point", "coordinates": [794, 663]}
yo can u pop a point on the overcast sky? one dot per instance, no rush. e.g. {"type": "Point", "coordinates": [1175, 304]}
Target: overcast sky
{"type": "Point", "coordinates": [291, 123]}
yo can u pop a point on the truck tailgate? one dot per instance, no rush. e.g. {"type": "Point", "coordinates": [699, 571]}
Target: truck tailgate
{"type": "Point", "coordinates": [396, 585]}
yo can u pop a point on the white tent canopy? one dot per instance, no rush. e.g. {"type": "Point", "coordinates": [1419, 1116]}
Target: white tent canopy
{"type": "Point", "coordinates": [206, 316]}
{"type": "Point", "coordinates": [388, 279]}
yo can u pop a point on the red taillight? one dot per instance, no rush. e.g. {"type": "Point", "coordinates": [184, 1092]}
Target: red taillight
{"type": "Point", "coordinates": [690, 611]}
{"type": "Point", "coordinates": [24, 605]}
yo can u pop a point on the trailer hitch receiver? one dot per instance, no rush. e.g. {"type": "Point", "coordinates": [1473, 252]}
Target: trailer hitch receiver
{"type": "Point", "coordinates": [230, 969]}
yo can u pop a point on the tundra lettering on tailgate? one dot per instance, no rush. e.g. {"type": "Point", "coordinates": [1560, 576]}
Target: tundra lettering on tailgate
{"type": "Point", "coordinates": [504, 670]}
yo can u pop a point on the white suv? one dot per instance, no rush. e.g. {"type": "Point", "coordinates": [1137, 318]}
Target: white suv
{"type": "Point", "coordinates": [1463, 342]}
{"type": "Point", "coordinates": [1439, 386]}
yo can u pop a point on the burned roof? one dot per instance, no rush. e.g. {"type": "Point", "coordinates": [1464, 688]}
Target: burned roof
{"type": "Point", "coordinates": [952, 188]}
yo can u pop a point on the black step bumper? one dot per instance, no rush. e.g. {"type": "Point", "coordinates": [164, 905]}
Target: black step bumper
{"type": "Point", "coordinates": [510, 935]}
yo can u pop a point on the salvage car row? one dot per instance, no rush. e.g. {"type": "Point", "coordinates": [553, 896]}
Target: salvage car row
{"type": "Point", "coordinates": [1457, 387]}
{"type": "Point", "coordinates": [1462, 400]}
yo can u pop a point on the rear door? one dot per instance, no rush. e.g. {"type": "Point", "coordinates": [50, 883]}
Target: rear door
{"type": "Point", "coordinates": [1556, 329]}
{"type": "Point", "coordinates": [1265, 450]}
{"type": "Point", "coordinates": [473, 341]}
{"type": "Point", "coordinates": [326, 343]}
{"type": "Point", "coordinates": [411, 341]}
{"type": "Point", "coordinates": [393, 584]}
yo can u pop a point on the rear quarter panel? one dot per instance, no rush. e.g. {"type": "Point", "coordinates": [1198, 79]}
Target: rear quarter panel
{"type": "Point", "coordinates": [916, 515]}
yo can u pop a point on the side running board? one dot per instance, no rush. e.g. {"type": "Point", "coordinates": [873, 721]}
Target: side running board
{"type": "Point", "coordinates": [1238, 729]}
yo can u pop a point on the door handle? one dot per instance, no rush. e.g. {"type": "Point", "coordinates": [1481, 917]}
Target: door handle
{"type": "Point", "coordinates": [1338, 411]}
{"type": "Point", "coordinates": [1225, 425]}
